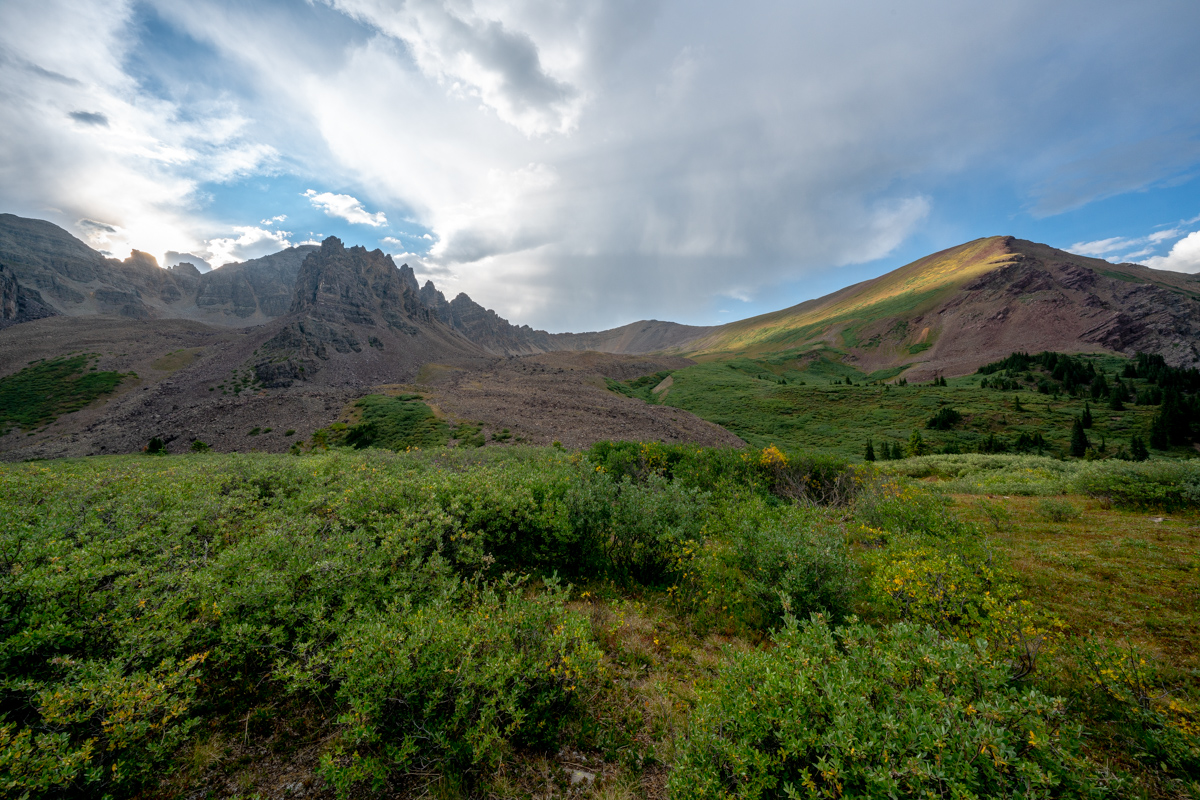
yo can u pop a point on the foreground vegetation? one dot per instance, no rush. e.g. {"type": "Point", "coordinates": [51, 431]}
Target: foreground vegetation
{"type": "Point", "coordinates": [630, 619]}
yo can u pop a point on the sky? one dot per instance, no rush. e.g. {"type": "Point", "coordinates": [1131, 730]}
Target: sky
{"type": "Point", "coordinates": [581, 164]}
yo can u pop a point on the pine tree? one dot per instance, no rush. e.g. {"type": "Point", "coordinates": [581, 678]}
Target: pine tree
{"type": "Point", "coordinates": [1160, 437]}
{"type": "Point", "coordinates": [870, 454]}
{"type": "Point", "coordinates": [1116, 398]}
{"type": "Point", "coordinates": [1017, 403]}
{"type": "Point", "coordinates": [1079, 440]}
{"type": "Point", "coordinates": [1137, 449]}
{"type": "Point", "coordinates": [1086, 419]}
{"type": "Point", "coordinates": [916, 444]}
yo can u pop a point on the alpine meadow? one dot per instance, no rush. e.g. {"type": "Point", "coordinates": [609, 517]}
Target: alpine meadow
{"type": "Point", "coordinates": [527, 400]}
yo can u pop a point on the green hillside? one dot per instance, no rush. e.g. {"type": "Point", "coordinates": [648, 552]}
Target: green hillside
{"type": "Point", "coordinates": [836, 318]}
{"type": "Point", "coordinates": [805, 403]}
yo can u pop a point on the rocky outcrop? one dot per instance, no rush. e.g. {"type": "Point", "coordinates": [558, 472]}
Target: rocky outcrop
{"type": "Point", "coordinates": [355, 302]}
{"type": "Point", "coordinates": [19, 304]}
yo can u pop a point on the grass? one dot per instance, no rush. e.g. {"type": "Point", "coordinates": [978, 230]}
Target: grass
{"type": "Point", "coordinates": [1125, 575]}
{"type": "Point", "coordinates": [801, 401]}
{"type": "Point", "coordinates": [47, 389]}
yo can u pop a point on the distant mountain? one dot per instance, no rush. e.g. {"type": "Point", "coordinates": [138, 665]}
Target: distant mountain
{"type": "Point", "coordinates": [357, 318]}
{"type": "Point", "coordinates": [72, 279]}
{"type": "Point", "coordinates": [947, 312]}
{"type": "Point", "coordinates": [967, 305]}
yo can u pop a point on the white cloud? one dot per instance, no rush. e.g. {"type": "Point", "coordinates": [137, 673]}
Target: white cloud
{"type": "Point", "coordinates": [344, 206]}
{"type": "Point", "coordinates": [1184, 256]}
{"type": "Point", "coordinates": [1125, 249]}
{"type": "Point", "coordinates": [582, 164]}
{"type": "Point", "coordinates": [81, 141]}
{"type": "Point", "coordinates": [514, 57]}
{"type": "Point", "coordinates": [1101, 247]}
{"type": "Point", "coordinates": [250, 242]}
{"type": "Point", "coordinates": [273, 220]}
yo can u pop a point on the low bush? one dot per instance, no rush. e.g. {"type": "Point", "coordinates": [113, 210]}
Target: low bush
{"type": "Point", "coordinates": [1054, 509]}
{"type": "Point", "coordinates": [977, 473]}
{"type": "Point", "coordinates": [1127, 692]}
{"type": "Point", "coordinates": [893, 505]}
{"type": "Point", "coordinates": [457, 686]}
{"type": "Point", "coordinates": [856, 711]}
{"type": "Point", "coordinates": [1169, 485]}
{"type": "Point", "coordinates": [758, 560]}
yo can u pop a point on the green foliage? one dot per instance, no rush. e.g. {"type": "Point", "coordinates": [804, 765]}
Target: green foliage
{"type": "Point", "coordinates": [855, 711]}
{"type": "Point", "coordinates": [641, 387]}
{"type": "Point", "coordinates": [760, 559]}
{"type": "Point", "coordinates": [396, 423]}
{"type": "Point", "coordinates": [896, 506]}
{"type": "Point", "coordinates": [1168, 485]}
{"type": "Point", "coordinates": [1054, 509]}
{"type": "Point", "coordinates": [468, 434]}
{"type": "Point", "coordinates": [1127, 690]}
{"type": "Point", "coordinates": [199, 447]}
{"type": "Point", "coordinates": [945, 419]}
{"type": "Point", "coordinates": [47, 389]}
{"type": "Point", "coordinates": [457, 685]}
{"type": "Point", "coordinates": [1079, 439]}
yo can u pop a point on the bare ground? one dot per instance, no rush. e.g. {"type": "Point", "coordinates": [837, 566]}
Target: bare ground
{"type": "Point", "coordinates": [181, 364]}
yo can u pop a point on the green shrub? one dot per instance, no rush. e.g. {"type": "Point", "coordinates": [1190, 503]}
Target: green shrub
{"type": "Point", "coordinates": [1054, 509]}
{"type": "Point", "coordinates": [894, 505]}
{"type": "Point", "coordinates": [396, 423]}
{"type": "Point", "coordinates": [977, 473]}
{"type": "Point", "coordinates": [1168, 485]}
{"type": "Point", "coordinates": [859, 712]}
{"type": "Point", "coordinates": [1127, 690]}
{"type": "Point", "coordinates": [46, 389]}
{"type": "Point", "coordinates": [457, 687]}
{"type": "Point", "coordinates": [760, 560]}
{"type": "Point", "coordinates": [199, 447]}
{"type": "Point", "coordinates": [945, 419]}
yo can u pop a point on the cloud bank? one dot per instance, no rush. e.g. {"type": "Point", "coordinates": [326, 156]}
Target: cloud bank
{"type": "Point", "coordinates": [579, 165]}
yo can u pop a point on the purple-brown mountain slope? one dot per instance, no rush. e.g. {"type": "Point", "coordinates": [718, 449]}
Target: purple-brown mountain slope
{"type": "Point", "coordinates": [954, 310]}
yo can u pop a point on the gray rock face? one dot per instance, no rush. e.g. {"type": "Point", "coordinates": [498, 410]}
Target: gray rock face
{"type": "Point", "coordinates": [348, 299]}
{"type": "Point", "coordinates": [77, 280]}
{"type": "Point", "coordinates": [19, 304]}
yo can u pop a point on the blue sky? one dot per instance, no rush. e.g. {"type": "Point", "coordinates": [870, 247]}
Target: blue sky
{"type": "Point", "coordinates": [581, 165]}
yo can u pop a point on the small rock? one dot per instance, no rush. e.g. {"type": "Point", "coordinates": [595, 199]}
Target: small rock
{"type": "Point", "coordinates": [579, 776]}
{"type": "Point", "coordinates": [1158, 519]}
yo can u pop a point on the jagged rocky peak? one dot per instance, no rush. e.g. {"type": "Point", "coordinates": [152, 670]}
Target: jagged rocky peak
{"type": "Point", "coordinates": [355, 283]}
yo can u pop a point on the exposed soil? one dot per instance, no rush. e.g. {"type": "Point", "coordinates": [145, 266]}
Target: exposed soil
{"type": "Point", "coordinates": [563, 397]}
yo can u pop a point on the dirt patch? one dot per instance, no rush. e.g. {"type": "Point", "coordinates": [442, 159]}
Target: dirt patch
{"type": "Point", "coordinates": [562, 397]}
{"type": "Point", "coordinates": [176, 360]}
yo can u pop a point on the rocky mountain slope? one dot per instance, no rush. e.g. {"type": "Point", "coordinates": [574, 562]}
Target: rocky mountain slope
{"type": "Point", "coordinates": [285, 342]}
{"type": "Point", "coordinates": [72, 279]}
{"type": "Point", "coordinates": [954, 310]}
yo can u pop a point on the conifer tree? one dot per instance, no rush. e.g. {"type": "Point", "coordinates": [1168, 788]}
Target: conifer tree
{"type": "Point", "coordinates": [1086, 419]}
{"type": "Point", "coordinates": [1137, 449]}
{"type": "Point", "coordinates": [870, 454]}
{"type": "Point", "coordinates": [916, 444]}
{"type": "Point", "coordinates": [1079, 440]}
